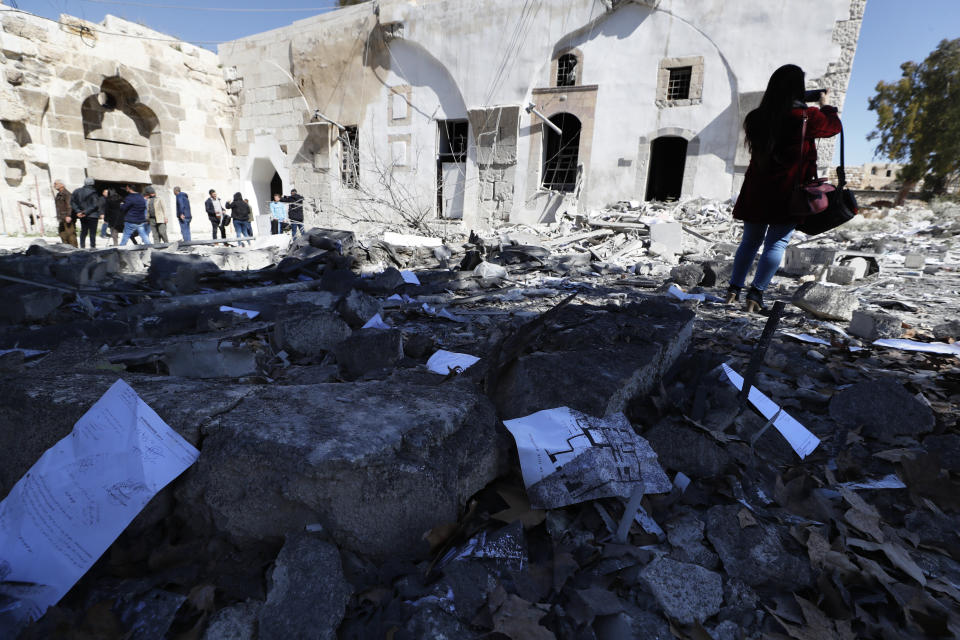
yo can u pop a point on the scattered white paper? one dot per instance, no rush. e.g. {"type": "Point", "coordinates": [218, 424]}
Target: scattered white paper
{"type": "Point", "coordinates": [376, 322]}
{"type": "Point", "coordinates": [410, 277]}
{"type": "Point", "coordinates": [913, 345]}
{"type": "Point", "coordinates": [83, 492]}
{"type": "Point", "coordinates": [681, 481]}
{"type": "Point", "coordinates": [27, 353]}
{"type": "Point", "coordinates": [887, 482]}
{"type": "Point", "coordinates": [244, 312]}
{"type": "Point", "coordinates": [443, 362]}
{"type": "Point", "coordinates": [679, 294]}
{"type": "Point", "coordinates": [441, 313]}
{"type": "Point", "coordinates": [397, 300]}
{"type": "Point", "coordinates": [804, 337]}
{"type": "Point", "coordinates": [407, 240]}
{"type": "Point", "coordinates": [568, 457]}
{"type": "Point", "coordinates": [799, 437]}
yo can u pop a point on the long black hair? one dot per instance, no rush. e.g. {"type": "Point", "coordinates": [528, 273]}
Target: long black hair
{"type": "Point", "coordinates": [763, 124]}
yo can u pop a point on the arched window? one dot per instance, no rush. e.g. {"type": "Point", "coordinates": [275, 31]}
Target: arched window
{"type": "Point", "coordinates": [567, 70]}
{"type": "Point", "coordinates": [561, 153]}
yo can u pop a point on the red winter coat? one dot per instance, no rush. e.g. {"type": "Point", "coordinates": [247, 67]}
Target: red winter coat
{"type": "Point", "coordinates": [767, 188]}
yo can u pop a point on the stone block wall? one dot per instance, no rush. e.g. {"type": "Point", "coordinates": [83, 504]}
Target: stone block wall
{"type": "Point", "coordinates": [495, 132]}
{"type": "Point", "coordinates": [113, 101]}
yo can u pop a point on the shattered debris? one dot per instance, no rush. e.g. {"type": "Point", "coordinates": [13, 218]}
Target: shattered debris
{"type": "Point", "coordinates": [348, 395]}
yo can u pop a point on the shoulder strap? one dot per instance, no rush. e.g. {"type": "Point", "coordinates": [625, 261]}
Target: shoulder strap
{"type": "Point", "coordinates": [803, 137]}
{"type": "Point", "coordinates": [841, 170]}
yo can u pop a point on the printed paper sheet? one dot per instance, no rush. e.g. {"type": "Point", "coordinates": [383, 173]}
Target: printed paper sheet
{"type": "Point", "coordinates": [83, 492]}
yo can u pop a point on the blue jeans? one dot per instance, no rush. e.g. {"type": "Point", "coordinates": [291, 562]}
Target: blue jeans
{"type": "Point", "coordinates": [295, 228]}
{"type": "Point", "coordinates": [774, 238]}
{"type": "Point", "coordinates": [143, 229]}
{"type": "Point", "coordinates": [243, 229]}
{"type": "Point", "coordinates": [185, 230]}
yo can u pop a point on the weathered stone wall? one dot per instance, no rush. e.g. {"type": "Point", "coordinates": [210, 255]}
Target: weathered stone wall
{"type": "Point", "coordinates": [444, 63]}
{"type": "Point", "coordinates": [113, 101]}
{"type": "Point", "coordinates": [845, 34]}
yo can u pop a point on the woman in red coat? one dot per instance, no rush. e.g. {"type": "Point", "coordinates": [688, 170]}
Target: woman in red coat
{"type": "Point", "coordinates": [778, 162]}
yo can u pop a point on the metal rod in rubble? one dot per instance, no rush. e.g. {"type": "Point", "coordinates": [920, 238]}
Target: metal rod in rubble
{"type": "Point", "coordinates": [760, 351]}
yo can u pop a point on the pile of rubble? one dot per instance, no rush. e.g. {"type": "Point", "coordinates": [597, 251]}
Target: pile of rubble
{"type": "Point", "coordinates": [360, 407]}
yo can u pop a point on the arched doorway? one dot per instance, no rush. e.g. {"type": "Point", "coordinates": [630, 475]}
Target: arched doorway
{"type": "Point", "coordinates": [276, 185]}
{"type": "Point", "coordinates": [561, 153]}
{"type": "Point", "coordinates": [668, 155]}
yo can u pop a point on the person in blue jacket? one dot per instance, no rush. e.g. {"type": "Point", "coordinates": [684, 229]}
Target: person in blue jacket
{"type": "Point", "coordinates": [134, 209]}
{"type": "Point", "coordinates": [183, 213]}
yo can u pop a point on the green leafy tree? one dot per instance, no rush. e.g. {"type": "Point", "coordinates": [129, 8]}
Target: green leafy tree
{"type": "Point", "coordinates": [918, 119]}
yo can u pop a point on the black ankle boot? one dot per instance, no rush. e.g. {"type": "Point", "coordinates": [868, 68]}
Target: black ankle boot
{"type": "Point", "coordinates": [733, 294]}
{"type": "Point", "coordinates": [754, 300]}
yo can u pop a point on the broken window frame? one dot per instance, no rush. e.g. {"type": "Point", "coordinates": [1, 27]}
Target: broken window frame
{"type": "Point", "coordinates": [567, 70]}
{"type": "Point", "coordinates": [453, 140]}
{"type": "Point", "coordinates": [350, 157]}
{"type": "Point", "coordinates": [561, 154]}
{"type": "Point", "coordinates": [679, 82]}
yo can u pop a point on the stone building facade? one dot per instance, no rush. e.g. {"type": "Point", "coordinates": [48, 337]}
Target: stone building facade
{"type": "Point", "coordinates": [115, 102]}
{"type": "Point", "coordinates": [434, 110]}
{"type": "Point", "coordinates": [432, 113]}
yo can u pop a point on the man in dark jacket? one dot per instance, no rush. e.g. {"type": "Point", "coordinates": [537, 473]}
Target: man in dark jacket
{"type": "Point", "coordinates": [241, 216]}
{"type": "Point", "coordinates": [295, 211]}
{"type": "Point", "coordinates": [85, 204]}
{"type": "Point", "coordinates": [66, 223]}
{"type": "Point", "coordinates": [183, 213]}
{"type": "Point", "coordinates": [217, 214]}
{"type": "Point", "coordinates": [134, 209]}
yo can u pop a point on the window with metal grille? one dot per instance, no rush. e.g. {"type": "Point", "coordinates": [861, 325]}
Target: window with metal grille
{"type": "Point", "coordinates": [561, 153]}
{"type": "Point", "coordinates": [350, 158]}
{"type": "Point", "coordinates": [567, 70]}
{"type": "Point", "coordinates": [452, 140]}
{"type": "Point", "coordinates": [678, 87]}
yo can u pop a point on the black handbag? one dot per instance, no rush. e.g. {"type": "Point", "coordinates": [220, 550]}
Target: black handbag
{"type": "Point", "coordinates": [841, 204]}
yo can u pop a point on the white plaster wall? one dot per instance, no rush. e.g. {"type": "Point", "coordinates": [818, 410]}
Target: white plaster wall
{"type": "Point", "coordinates": [433, 97]}
{"type": "Point", "coordinates": [494, 52]}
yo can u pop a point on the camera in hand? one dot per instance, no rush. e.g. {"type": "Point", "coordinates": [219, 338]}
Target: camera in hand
{"type": "Point", "coordinates": [813, 95]}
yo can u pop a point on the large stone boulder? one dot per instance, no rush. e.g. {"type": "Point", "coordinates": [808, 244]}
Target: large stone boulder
{"type": "Point", "coordinates": [375, 463]}
{"type": "Point", "coordinates": [35, 417]}
{"type": "Point", "coordinates": [595, 360]}
{"type": "Point", "coordinates": [369, 350]}
{"type": "Point", "coordinates": [25, 303]}
{"type": "Point", "coordinates": [757, 554]}
{"type": "Point", "coordinates": [687, 593]}
{"type": "Point", "coordinates": [884, 408]}
{"type": "Point", "coordinates": [311, 335]}
{"type": "Point", "coordinates": [307, 592]}
{"type": "Point", "coordinates": [828, 301]}
{"type": "Point", "coordinates": [178, 273]}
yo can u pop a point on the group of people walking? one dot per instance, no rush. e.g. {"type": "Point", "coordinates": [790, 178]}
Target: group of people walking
{"type": "Point", "coordinates": [133, 215]}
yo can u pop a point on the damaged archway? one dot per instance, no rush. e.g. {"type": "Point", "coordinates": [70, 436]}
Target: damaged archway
{"type": "Point", "coordinates": [121, 134]}
{"type": "Point", "coordinates": [265, 173]}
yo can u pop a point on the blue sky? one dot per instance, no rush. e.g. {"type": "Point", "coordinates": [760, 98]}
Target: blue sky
{"type": "Point", "coordinates": [893, 32]}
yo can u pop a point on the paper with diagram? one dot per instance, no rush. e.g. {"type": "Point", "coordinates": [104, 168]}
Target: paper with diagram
{"type": "Point", "coordinates": [568, 457]}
